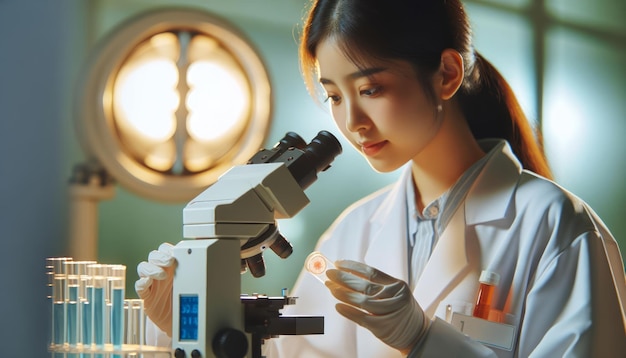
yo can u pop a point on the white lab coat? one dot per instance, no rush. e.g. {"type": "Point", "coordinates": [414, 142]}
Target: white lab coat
{"type": "Point", "coordinates": [562, 278]}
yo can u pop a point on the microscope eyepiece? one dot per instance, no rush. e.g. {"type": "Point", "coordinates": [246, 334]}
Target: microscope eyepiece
{"type": "Point", "coordinates": [305, 163]}
{"type": "Point", "coordinates": [303, 160]}
{"type": "Point", "coordinates": [323, 149]}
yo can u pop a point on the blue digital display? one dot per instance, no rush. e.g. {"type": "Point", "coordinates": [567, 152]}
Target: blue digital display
{"type": "Point", "coordinates": [188, 318]}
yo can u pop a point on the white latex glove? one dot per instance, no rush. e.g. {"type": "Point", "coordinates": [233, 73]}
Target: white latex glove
{"type": "Point", "coordinates": [378, 302]}
{"type": "Point", "coordinates": [154, 286]}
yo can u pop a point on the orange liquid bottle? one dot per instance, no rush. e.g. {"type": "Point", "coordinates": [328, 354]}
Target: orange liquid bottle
{"type": "Point", "coordinates": [488, 282]}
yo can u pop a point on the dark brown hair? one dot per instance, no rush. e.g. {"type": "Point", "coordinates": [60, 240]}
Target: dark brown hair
{"type": "Point", "coordinates": [418, 31]}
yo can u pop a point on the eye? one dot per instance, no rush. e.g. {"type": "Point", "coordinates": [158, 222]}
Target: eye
{"type": "Point", "coordinates": [333, 99]}
{"type": "Point", "coordinates": [371, 91]}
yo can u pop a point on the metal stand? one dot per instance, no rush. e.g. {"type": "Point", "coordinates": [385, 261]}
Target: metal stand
{"type": "Point", "coordinates": [89, 185]}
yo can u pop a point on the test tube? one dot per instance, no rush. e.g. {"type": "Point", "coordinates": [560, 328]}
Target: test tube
{"type": "Point", "coordinates": [59, 313]}
{"type": "Point", "coordinates": [86, 307]}
{"type": "Point", "coordinates": [58, 310]}
{"type": "Point", "coordinates": [317, 264]}
{"type": "Point", "coordinates": [99, 279]}
{"type": "Point", "coordinates": [488, 282]}
{"type": "Point", "coordinates": [127, 322]}
{"type": "Point", "coordinates": [55, 270]}
{"type": "Point", "coordinates": [117, 284]}
{"type": "Point", "coordinates": [72, 299]}
{"type": "Point", "coordinates": [135, 321]}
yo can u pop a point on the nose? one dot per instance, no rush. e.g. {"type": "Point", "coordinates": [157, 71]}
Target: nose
{"type": "Point", "coordinates": [356, 119]}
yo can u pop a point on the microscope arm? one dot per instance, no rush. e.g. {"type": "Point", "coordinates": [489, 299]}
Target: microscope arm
{"type": "Point", "coordinates": [244, 202]}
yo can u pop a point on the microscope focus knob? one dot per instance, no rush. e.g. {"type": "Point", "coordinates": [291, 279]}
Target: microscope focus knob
{"type": "Point", "coordinates": [179, 353]}
{"type": "Point", "coordinates": [230, 343]}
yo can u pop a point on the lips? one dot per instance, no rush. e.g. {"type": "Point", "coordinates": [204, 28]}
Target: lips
{"type": "Point", "coordinates": [371, 148]}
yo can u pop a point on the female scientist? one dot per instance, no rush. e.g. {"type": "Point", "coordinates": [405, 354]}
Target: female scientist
{"type": "Point", "coordinates": [407, 89]}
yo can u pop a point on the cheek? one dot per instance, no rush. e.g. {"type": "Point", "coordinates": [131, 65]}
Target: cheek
{"type": "Point", "coordinates": [340, 119]}
{"type": "Point", "coordinates": [388, 116]}
{"type": "Point", "coordinates": [411, 117]}
{"type": "Point", "coordinates": [338, 116]}
{"type": "Point", "coordinates": [410, 103]}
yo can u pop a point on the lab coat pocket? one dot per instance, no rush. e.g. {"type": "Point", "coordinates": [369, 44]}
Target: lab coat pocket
{"type": "Point", "coordinates": [489, 333]}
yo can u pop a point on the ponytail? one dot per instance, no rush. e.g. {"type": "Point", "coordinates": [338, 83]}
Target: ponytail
{"type": "Point", "coordinates": [492, 111]}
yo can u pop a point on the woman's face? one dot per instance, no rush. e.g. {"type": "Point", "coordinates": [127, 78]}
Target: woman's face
{"type": "Point", "coordinates": [381, 109]}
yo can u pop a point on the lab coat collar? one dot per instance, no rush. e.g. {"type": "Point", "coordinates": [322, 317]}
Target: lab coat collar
{"type": "Point", "coordinates": [490, 196]}
{"type": "Point", "coordinates": [487, 200]}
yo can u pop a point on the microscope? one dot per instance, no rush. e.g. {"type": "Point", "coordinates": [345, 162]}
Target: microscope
{"type": "Point", "coordinates": [231, 224]}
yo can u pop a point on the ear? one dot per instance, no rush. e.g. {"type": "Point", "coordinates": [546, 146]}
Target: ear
{"type": "Point", "coordinates": [451, 73]}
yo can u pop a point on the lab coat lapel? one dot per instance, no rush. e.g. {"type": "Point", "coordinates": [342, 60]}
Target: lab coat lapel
{"type": "Point", "coordinates": [446, 266]}
{"type": "Point", "coordinates": [389, 232]}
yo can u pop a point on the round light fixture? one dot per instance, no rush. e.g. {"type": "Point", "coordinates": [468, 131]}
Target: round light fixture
{"type": "Point", "coordinates": [171, 100]}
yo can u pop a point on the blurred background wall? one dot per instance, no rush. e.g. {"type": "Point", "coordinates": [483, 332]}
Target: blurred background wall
{"type": "Point", "coordinates": [565, 59]}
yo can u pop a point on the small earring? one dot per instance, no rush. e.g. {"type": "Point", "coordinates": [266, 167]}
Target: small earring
{"type": "Point", "coordinates": [439, 108]}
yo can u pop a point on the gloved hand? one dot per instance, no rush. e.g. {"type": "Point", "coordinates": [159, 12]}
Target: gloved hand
{"type": "Point", "coordinates": [378, 302]}
{"type": "Point", "coordinates": [154, 286]}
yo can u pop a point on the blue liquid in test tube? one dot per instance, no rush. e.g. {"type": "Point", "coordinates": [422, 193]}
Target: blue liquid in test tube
{"type": "Point", "coordinates": [117, 318]}
{"type": "Point", "coordinates": [99, 316]}
{"type": "Point", "coordinates": [72, 318]}
{"type": "Point", "coordinates": [99, 275]}
{"type": "Point", "coordinates": [58, 310]}
{"type": "Point", "coordinates": [117, 280]}
{"type": "Point", "coordinates": [87, 322]}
